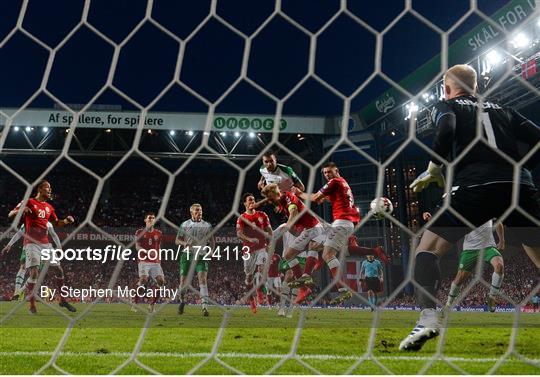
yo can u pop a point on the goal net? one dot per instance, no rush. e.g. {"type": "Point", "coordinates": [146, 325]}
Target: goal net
{"type": "Point", "coordinates": [180, 124]}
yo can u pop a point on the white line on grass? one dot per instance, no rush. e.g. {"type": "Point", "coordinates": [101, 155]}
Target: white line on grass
{"type": "Point", "coordinates": [245, 355]}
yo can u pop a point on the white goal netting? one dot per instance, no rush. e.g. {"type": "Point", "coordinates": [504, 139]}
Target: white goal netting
{"type": "Point", "coordinates": [226, 313]}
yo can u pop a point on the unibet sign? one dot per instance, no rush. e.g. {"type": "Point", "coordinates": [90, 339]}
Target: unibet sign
{"type": "Point", "coordinates": [252, 124]}
{"type": "Point", "coordinates": [163, 121]}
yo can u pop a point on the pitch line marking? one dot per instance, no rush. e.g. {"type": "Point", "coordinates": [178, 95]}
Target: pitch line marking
{"type": "Point", "coordinates": [246, 355]}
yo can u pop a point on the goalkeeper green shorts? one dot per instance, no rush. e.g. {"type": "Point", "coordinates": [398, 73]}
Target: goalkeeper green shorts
{"type": "Point", "coordinates": [468, 258]}
{"type": "Point", "coordinates": [185, 264]}
{"type": "Point", "coordinates": [284, 266]}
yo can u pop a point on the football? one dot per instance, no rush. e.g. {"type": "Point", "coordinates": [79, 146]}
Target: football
{"type": "Point", "coordinates": [380, 206]}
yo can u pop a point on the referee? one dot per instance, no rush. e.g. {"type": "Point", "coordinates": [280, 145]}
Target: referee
{"type": "Point", "coordinates": [371, 271]}
{"type": "Point", "coordinates": [482, 186]}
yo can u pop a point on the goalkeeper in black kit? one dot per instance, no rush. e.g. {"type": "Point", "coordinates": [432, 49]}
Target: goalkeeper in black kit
{"type": "Point", "coordinates": [482, 186]}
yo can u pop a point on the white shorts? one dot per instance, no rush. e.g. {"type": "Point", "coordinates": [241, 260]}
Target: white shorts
{"type": "Point", "coordinates": [256, 258]}
{"type": "Point", "coordinates": [338, 235]}
{"type": "Point", "coordinates": [288, 239]}
{"type": "Point", "coordinates": [150, 269]}
{"type": "Point", "coordinates": [274, 282]}
{"type": "Point", "coordinates": [32, 254]}
{"type": "Point", "coordinates": [321, 237]}
{"type": "Point", "coordinates": [301, 242]}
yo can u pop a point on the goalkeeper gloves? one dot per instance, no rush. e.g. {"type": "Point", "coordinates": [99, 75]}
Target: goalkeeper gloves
{"type": "Point", "coordinates": [432, 174]}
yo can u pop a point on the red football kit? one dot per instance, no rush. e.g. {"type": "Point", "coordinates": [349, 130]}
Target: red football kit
{"type": "Point", "coordinates": [273, 269]}
{"type": "Point", "coordinates": [149, 240]}
{"type": "Point", "coordinates": [306, 221]}
{"type": "Point", "coordinates": [340, 195]}
{"type": "Point", "coordinates": [258, 220]}
{"type": "Point", "coordinates": [35, 221]}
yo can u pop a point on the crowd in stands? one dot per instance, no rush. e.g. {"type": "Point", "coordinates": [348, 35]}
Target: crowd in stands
{"type": "Point", "coordinates": [126, 197]}
{"type": "Point", "coordinates": [519, 281]}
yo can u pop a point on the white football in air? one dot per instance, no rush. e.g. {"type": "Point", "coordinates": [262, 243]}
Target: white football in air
{"type": "Point", "coordinates": [380, 206]}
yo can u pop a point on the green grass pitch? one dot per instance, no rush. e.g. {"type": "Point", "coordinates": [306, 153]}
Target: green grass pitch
{"type": "Point", "coordinates": [332, 341]}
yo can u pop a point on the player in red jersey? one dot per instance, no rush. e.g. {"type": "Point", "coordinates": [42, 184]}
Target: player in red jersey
{"type": "Point", "coordinates": [148, 244]}
{"type": "Point", "coordinates": [309, 231]}
{"type": "Point", "coordinates": [253, 228]}
{"type": "Point", "coordinates": [345, 216]}
{"type": "Point", "coordinates": [37, 214]}
{"type": "Point", "coordinates": [274, 279]}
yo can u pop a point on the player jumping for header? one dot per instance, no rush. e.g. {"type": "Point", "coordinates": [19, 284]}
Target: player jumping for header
{"type": "Point", "coordinates": [282, 175]}
{"type": "Point", "coordinates": [345, 216]}
{"type": "Point", "coordinates": [309, 231]}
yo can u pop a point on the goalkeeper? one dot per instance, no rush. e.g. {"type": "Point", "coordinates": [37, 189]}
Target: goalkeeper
{"type": "Point", "coordinates": [482, 186]}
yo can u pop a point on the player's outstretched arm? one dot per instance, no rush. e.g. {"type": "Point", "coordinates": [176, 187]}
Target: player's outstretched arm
{"type": "Point", "coordinates": [5, 250]}
{"type": "Point", "coordinates": [16, 210]}
{"type": "Point", "coordinates": [317, 197]}
{"type": "Point", "coordinates": [259, 204]}
{"type": "Point", "coordinates": [501, 245]}
{"type": "Point", "coordinates": [445, 124]}
{"type": "Point", "coordinates": [54, 236]}
{"type": "Point", "coordinates": [299, 185]}
{"type": "Point", "coordinates": [433, 174]}
{"type": "Point", "coordinates": [297, 182]}
{"type": "Point", "coordinates": [269, 232]}
{"type": "Point", "coordinates": [261, 184]}
{"type": "Point", "coordinates": [529, 133]}
{"type": "Point", "coordinates": [444, 138]}
{"type": "Point", "coordinates": [17, 236]}
{"type": "Point", "coordinates": [68, 220]}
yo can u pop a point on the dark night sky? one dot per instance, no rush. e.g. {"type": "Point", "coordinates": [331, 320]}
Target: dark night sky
{"type": "Point", "coordinates": [278, 59]}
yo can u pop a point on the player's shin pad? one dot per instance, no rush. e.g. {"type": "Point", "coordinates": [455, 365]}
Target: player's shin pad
{"type": "Point", "coordinates": [427, 275]}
